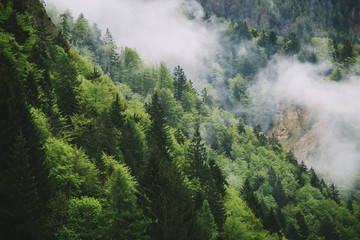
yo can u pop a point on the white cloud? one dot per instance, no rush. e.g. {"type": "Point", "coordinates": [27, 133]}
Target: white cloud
{"type": "Point", "coordinates": [157, 29]}
{"type": "Point", "coordinates": [335, 105]}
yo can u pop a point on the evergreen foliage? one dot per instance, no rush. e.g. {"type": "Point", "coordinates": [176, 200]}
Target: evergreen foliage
{"type": "Point", "coordinates": [86, 155]}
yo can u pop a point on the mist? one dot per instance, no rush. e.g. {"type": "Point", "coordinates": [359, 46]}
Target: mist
{"type": "Point", "coordinates": [336, 105]}
{"type": "Point", "coordinates": [159, 30]}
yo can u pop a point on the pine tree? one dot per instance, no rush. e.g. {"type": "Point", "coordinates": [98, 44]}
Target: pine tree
{"type": "Point", "coordinates": [165, 79]}
{"type": "Point", "coordinates": [291, 158]}
{"type": "Point", "coordinates": [21, 206]}
{"type": "Point", "coordinates": [279, 194]}
{"type": "Point", "coordinates": [349, 205]}
{"type": "Point", "coordinates": [23, 177]}
{"type": "Point", "coordinates": [334, 194]}
{"type": "Point", "coordinates": [197, 156]}
{"type": "Point", "coordinates": [249, 196]}
{"type": "Point", "coordinates": [179, 82]}
{"type": "Point", "coordinates": [158, 132]}
{"type": "Point", "coordinates": [165, 198]}
{"type": "Point", "coordinates": [220, 181]}
{"type": "Point", "coordinates": [132, 145]}
{"type": "Point", "coordinates": [271, 223]}
{"type": "Point", "coordinates": [124, 216]}
{"type": "Point", "coordinates": [64, 25]}
{"type": "Point", "coordinates": [116, 112]}
{"type": "Point", "coordinates": [241, 127]}
{"type": "Point", "coordinates": [272, 178]}
{"type": "Point", "coordinates": [179, 136]}
{"type": "Point", "coordinates": [208, 221]}
{"type": "Point", "coordinates": [314, 181]}
{"type": "Point", "coordinates": [347, 51]}
{"type": "Point", "coordinates": [303, 228]}
{"type": "Point", "coordinates": [328, 229]}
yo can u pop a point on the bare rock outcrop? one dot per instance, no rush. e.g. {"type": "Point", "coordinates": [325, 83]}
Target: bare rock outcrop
{"type": "Point", "coordinates": [295, 130]}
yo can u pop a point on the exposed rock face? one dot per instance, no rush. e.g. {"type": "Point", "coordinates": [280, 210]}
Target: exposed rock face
{"type": "Point", "coordinates": [295, 130]}
{"type": "Point", "coordinates": [41, 20]}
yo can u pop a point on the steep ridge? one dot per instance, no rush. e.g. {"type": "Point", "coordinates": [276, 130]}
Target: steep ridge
{"type": "Point", "coordinates": [126, 160]}
{"type": "Point", "coordinates": [295, 130]}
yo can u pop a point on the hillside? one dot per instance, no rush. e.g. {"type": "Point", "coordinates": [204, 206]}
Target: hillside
{"type": "Point", "coordinates": [310, 18]}
{"type": "Point", "coordinates": [95, 144]}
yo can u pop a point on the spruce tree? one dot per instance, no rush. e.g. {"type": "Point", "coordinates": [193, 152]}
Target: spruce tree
{"type": "Point", "coordinates": [197, 156]}
{"type": "Point", "coordinates": [303, 228]}
{"type": "Point", "coordinates": [165, 198]}
{"type": "Point", "coordinates": [249, 196]}
{"type": "Point", "coordinates": [23, 177]}
{"type": "Point", "coordinates": [179, 82]}
{"type": "Point", "coordinates": [208, 221]}
{"type": "Point", "coordinates": [279, 194]}
{"type": "Point", "coordinates": [132, 145]}
{"type": "Point", "coordinates": [117, 111]}
{"type": "Point", "coordinates": [19, 197]}
{"type": "Point", "coordinates": [158, 132]}
{"type": "Point", "coordinates": [271, 223]}
{"type": "Point", "coordinates": [124, 216]}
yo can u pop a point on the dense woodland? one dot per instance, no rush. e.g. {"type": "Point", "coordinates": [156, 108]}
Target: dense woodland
{"type": "Point", "coordinates": [97, 145]}
{"type": "Point", "coordinates": [309, 18]}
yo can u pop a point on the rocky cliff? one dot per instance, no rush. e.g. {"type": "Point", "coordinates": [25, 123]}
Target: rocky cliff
{"type": "Point", "coordinates": [295, 130]}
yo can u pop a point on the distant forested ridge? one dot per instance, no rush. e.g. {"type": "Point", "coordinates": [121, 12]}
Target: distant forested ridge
{"type": "Point", "coordinates": [95, 144]}
{"type": "Point", "coordinates": [307, 17]}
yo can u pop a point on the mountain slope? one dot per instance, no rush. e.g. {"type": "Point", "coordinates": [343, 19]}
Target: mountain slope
{"type": "Point", "coordinates": [311, 18]}
{"type": "Point", "coordinates": [144, 158]}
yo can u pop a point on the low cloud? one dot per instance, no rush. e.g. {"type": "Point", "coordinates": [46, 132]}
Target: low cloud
{"type": "Point", "coordinates": [158, 29]}
{"type": "Point", "coordinates": [335, 104]}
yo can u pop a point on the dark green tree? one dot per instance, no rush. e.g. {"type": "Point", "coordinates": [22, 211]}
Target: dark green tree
{"type": "Point", "coordinates": [279, 194]}
{"type": "Point", "coordinates": [166, 200]}
{"type": "Point", "coordinates": [349, 205]}
{"type": "Point", "coordinates": [334, 194]}
{"type": "Point", "coordinates": [249, 196]}
{"type": "Point", "coordinates": [21, 206]}
{"type": "Point", "coordinates": [24, 186]}
{"type": "Point", "coordinates": [272, 178]}
{"type": "Point", "coordinates": [64, 25]}
{"type": "Point", "coordinates": [179, 136]}
{"type": "Point", "coordinates": [179, 82]}
{"type": "Point", "coordinates": [117, 112]}
{"type": "Point", "coordinates": [123, 219]}
{"type": "Point", "coordinates": [197, 156]}
{"type": "Point", "coordinates": [303, 227]}
{"type": "Point", "coordinates": [328, 229]}
{"type": "Point", "coordinates": [132, 144]}
{"type": "Point", "coordinates": [314, 181]}
{"type": "Point", "coordinates": [347, 51]}
{"type": "Point", "coordinates": [271, 223]}
{"type": "Point", "coordinates": [208, 221]}
{"type": "Point", "coordinates": [158, 132]}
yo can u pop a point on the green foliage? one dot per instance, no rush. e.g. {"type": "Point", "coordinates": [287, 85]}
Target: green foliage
{"type": "Point", "coordinates": [179, 82]}
{"type": "Point", "coordinates": [208, 221]}
{"type": "Point", "coordinates": [67, 131]}
{"type": "Point", "coordinates": [123, 219]}
{"type": "Point", "coordinates": [238, 87]}
{"type": "Point", "coordinates": [83, 219]}
{"type": "Point", "coordinates": [305, 18]}
{"type": "Point", "coordinates": [70, 169]}
{"type": "Point", "coordinates": [241, 223]}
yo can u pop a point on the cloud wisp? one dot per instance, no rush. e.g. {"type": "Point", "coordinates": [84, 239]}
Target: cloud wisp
{"type": "Point", "coordinates": [335, 104]}
{"type": "Point", "coordinates": [158, 29]}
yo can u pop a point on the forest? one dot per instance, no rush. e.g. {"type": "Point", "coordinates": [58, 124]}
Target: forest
{"type": "Point", "coordinates": [309, 18]}
{"type": "Point", "coordinates": [96, 144]}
